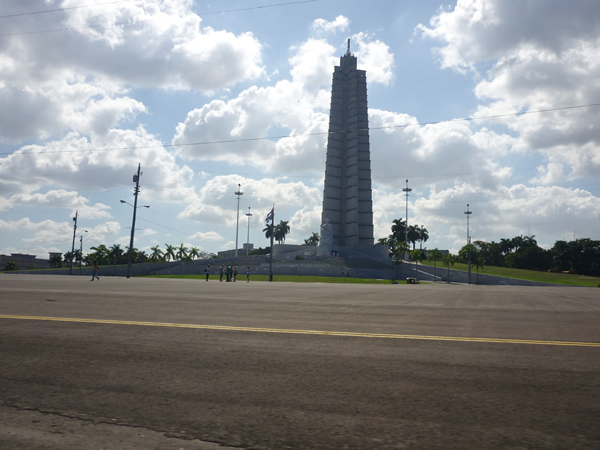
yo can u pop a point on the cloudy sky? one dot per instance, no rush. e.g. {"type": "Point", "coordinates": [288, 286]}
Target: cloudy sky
{"type": "Point", "coordinates": [206, 96]}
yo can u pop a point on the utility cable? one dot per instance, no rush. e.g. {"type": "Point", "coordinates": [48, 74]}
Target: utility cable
{"type": "Point", "coordinates": [136, 22]}
{"type": "Point", "coordinates": [62, 9]}
{"type": "Point", "coordinates": [323, 133]}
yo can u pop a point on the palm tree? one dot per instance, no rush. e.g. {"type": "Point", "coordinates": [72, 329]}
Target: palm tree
{"type": "Point", "coordinates": [100, 254]}
{"type": "Point", "coordinates": [416, 255]}
{"type": "Point", "coordinates": [194, 253]}
{"type": "Point", "coordinates": [142, 256]}
{"type": "Point", "coordinates": [434, 255]}
{"type": "Point", "coordinates": [281, 230]}
{"type": "Point", "coordinates": [399, 248]}
{"type": "Point", "coordinates": [413, 234]}
{"type": "Point", "coordinates": [182, 252]}
{"type": "Point", "coordinates": [157, 254]}
{"type": "Point", "coordinates": [478, 261]}
{"type": "Point", "coordinates": [135, 254]}
{"type": "Point", "coordinates": [268, 230]}
{"type": "Point", "coordinates": [506, 246]}
{"type": "Point", "coordinates": [115, 252]}
{"type": "Point", "coordinates": [423, 236]}
{"type": "Point", "coordinates": [55, 261]}
{"type": "Point", "coordinates": [399, 229]}
{"type": "Point", "coordinates": [169, 252]}
{"type": "Point", "coordinates": [447, 261]}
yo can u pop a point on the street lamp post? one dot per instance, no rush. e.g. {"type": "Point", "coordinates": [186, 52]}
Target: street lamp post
{"type": "Point", "coordinates": [238, 193]}
{"type": "Point", "coordinates": [248, 241]}
{"type": "Point", "coordinates": [468, 213]}
{"type": "Point", "coordinates": [406, 190]}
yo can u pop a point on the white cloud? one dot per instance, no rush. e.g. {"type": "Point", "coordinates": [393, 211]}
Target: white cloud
{"type": "Point", "coordinates": [61, 199]}
{"type": "Point", "coordinates": [217, 204]}
{"type": "Point", "coordinates": [209, 236]}
{"type": "Point", "coordinates": [78, 163]}
{"type": "Point", "coordinates": [376, 58]}
{"type": "Point", "coordinates": [536, 65]}
{"type": "Point", "coordinates": [340, 23]}
{"type": "Point", "coordinates": [49, 232]}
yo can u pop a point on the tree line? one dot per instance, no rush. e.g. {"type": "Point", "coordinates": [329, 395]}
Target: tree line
{"type": "Point", "coordinates": [116, 254]}
{"type": "Point", "coordinates": [400, 239]}
{"type": "Point", "coordinates": [580, 256]}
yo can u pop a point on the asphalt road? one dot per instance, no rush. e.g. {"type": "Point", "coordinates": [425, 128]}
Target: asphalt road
{"type": "Point", "coordinates": [162, 363]}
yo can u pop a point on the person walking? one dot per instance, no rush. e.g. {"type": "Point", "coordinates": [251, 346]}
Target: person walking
{"type": "Point", "coordinates": [95, 271]}
{"type": "Point", "coordinates": [248, 274]}
{"type": "Point", "coordinates": [234, 273]}
{"type": "Point", "coordinates": [221, 270]}
{"type": "Point", "coordinates": [207, 271]}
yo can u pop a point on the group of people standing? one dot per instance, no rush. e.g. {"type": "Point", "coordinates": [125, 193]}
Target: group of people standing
{"type": "Point", "coordinates": [229, 271]}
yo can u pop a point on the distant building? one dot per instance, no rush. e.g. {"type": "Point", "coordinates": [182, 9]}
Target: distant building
{"type": "Point", "coordinates": [241, 251]}
{"type": "Point", "coordinates": [24, 261]}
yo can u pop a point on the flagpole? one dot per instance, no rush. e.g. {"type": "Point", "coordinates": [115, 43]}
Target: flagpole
{"type": "Point", "coordinates": [272, 235]}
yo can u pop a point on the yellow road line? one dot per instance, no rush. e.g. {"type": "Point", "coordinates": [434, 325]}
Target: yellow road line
{"type": "Point", "coordinates": [313, 332]}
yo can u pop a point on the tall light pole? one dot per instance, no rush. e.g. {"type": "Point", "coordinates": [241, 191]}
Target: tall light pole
{"type": "Point", "coordinates": [248, 241]}
{"type": "Point", "coordinates": [406, 190]}
{"type": "Point", "coordinates": [73, 246]}
{"type": "Point", "coordinates": [238, 193]}
{"type": "Point", "coordinates": [468, 213]}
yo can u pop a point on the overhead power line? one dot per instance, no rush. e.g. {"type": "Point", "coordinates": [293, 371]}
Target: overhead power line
{"type": "Point", "coordinates": [323, 133]}
{"type": "Point", "coordinates": [62, 9]}
{"type": "Point", "coordinates": [136, 22]}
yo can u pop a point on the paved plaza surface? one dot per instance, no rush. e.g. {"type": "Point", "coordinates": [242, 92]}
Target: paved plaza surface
{"type": "Point", "coordinates": [166, 363]}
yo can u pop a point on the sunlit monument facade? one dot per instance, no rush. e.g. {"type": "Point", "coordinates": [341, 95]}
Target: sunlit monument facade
{"type": "Point", "coordinates": [347, 199]}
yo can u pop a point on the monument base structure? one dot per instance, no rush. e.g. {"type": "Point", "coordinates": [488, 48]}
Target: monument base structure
{"type": "Point", "coordinates": [347, 217]}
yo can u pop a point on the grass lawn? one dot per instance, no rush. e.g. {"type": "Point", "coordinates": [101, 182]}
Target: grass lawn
{"type": "Point", "coordinates": [531, 275]}
{"type": "Point", "coordinates": [282, 278]}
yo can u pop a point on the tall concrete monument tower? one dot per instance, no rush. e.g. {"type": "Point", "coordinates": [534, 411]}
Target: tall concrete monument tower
{"type": "Point", "coordinates": [347, 200]}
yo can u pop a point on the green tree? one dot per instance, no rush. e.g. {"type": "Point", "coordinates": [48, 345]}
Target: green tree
{"type": "Point", "coordinates": [156, 254]}
{"type": "Point", "coordinates": [268, 230]}
{"type": "Point", "coordinates": [11, 265]}
{"type": "Point", "coordinates": [115, 253]}
{"type": "Point", "coordinates": [434, 255]}
{"type": "Point", "coordinates": [491, 252]}
{"type": "Point", "coordinates": [55, 261]}
{"type": "Point", "coordinates": [463, 253]}
{"type": "Point", "coordinates": [398, 229]}
{"type": "Point", "coordinates": [281, 230]}
{"type": "Point", "coordinates": [414, 234]}
{"type": "Point", "coordinates": [478, 261]}
{"type": "Point", "coordinates": [423, 236]}
{"type": "Point", "coordinates": [100, 254]}
{"type": "Point", "coordinates": [182, 252]}
{"type": "Point", "coordinates": [313, 240]}
{"type": "Point", "coordinates": [416, 256]}
{"type": "Point", "coordinates": [447, 261]}
{"type": "Point", "coordinates": [135, 255]}
{"type": "Point", "coordinates": [169, 252]}
{"type": "Point", "coordinates": [68, 257]}
{"type": "Point", "coordinates": [194, 253]}
{"type": "Point", "coordinates": [142, 257]}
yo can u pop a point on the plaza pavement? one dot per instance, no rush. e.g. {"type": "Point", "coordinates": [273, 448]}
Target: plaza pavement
{"type": "Point", "coordinates": [167, 363]}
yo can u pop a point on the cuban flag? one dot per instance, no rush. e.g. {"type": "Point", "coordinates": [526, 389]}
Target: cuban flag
{"type": "Point", "coordinates": [270, 216]}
